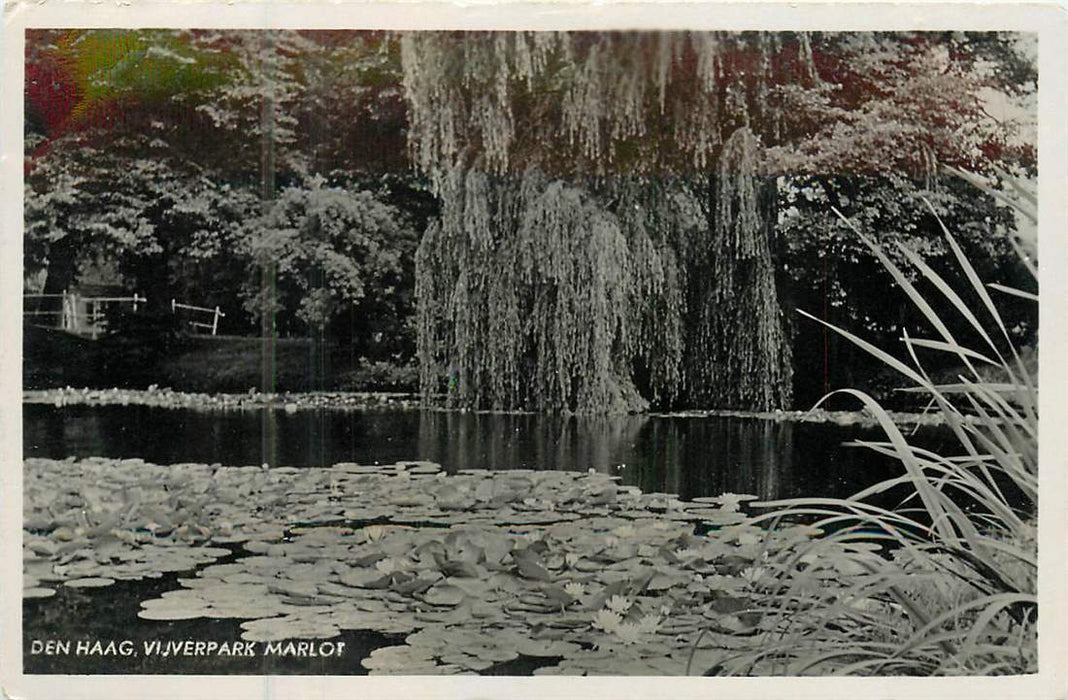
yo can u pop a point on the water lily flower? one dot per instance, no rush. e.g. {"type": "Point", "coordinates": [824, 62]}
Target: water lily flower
{"type": "Point", "coordinates": [753, 574]}
{"type": "Point", "coordinates": [574, 588]}
{"type": "Point", "coordinates": [729, 502]}
{"type": "Point", "coordinates": [618, 604]}
{"type": "Point", "coordinates": [606, 620]}
{"type": "Point", "coordinates": [373, 533]}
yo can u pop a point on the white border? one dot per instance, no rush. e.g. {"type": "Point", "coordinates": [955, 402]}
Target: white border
{"type": "Point", "coordinates": [1047, 19]}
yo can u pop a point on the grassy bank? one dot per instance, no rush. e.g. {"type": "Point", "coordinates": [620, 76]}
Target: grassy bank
{"type": "Point", "coordinates": [203, 364]}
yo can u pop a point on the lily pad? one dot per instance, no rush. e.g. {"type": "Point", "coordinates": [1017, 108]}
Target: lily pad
{"type": "Point", "coordinates": [93, 582]}
{"type": "Point", "coordinates": [445, 594]}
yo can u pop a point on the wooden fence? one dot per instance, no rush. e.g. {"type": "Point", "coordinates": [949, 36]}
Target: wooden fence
{"type": "Point", "coordinates": [81, 315]}
{"type": "Point", "coordinates": [216, 314]}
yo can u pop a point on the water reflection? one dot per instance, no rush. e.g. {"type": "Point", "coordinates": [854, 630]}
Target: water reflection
{"type": "Point", "coordinates": [687, 456]}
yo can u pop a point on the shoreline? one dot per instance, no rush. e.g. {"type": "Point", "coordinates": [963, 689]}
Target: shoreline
{"type": "Point", "coordinates": [292, 402]}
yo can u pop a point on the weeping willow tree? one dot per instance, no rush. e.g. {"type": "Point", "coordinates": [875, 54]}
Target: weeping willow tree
{"type": "Point", "coordinates": [605, 226]}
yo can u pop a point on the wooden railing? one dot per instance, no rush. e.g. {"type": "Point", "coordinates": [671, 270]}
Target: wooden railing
{"type": "Point", "coordinates": [216, 315]}
{"type": "Point", "coordinates": [85, 315]}
{"type": "Point", "coordinates": [79, 314]}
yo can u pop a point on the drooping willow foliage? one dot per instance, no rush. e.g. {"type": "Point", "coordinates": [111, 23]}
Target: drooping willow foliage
{"type": "Point", "coordinates": [604, 235]}
{"type": "Point", "coordinates": [531, 294]}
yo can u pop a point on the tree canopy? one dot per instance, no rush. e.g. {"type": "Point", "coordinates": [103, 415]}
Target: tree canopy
{"type": "Point", "coordinates": [610, 218]}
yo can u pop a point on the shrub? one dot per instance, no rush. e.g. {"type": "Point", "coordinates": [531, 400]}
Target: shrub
{"type": "Point", "coordinates": [381, 376]}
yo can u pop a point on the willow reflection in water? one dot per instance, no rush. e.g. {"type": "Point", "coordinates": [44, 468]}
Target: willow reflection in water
{"type": "Point", "coordinates": [691, 457]}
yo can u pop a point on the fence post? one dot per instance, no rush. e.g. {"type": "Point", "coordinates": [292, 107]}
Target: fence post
{"type": "Point", "coordinates": [173, 309]}
{"type": "Point", "coordinates": [215, 321]}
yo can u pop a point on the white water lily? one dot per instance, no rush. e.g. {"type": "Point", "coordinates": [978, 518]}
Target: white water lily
{"type": "Point", "coordinates": [618, 604]}
{"type": "Point", "coordinates": [729, 502]}
{"type": "Point", "coordinates": [753, 574]}
{"type": "Point", "coordinates": [606, 620]}
{"type": "Point", "coordinates": [574, 589]}
{"type": "Point", "coordinates": [373, 533]}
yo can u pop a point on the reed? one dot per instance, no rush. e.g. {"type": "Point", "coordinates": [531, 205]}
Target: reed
{"type": "Point", "coordinates": [945, 582]}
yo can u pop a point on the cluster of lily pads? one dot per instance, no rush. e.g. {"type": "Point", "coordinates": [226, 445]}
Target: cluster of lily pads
{"type": "Point", "coordinates": [476, 568]}
{"type": "Point", "coordinates": [861, 418]}
{"type": "Point", "coordinates": [299, 401]}
{"type": "Point", "coordinates": [253, 399]}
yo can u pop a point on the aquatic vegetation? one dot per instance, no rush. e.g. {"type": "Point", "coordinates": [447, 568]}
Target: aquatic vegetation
{"type": "Point", "coordinates": [476, 568]}
{"type": "Point", "coordinates": [251, 400]}
{"type": "Point", "coordinates": [946, 582]}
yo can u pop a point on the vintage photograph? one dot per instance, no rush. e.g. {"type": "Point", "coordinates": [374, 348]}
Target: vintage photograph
{"type": "Point", "coordinates": [528, 353]}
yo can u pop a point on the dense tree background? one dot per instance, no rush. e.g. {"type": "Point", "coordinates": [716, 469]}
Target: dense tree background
{"type": "Point", "coordinates": [557, 221]}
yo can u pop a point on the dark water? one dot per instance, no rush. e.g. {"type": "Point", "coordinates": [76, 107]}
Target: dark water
{"type": "Point", "coordinates": [687, 456]}
{"type": "Point", "coordinates": [690, 457]}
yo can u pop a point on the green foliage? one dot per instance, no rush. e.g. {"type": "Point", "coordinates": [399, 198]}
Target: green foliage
{"type": "Point", "coordinates": [959, 593]}
{"type": "Point", "coordinates": [524, 292]}
{"type": "Point", "coordinates": [329, 249]}
{"type": "Point", "coordinates": [535, 293]}
{"type": "Point", "coordinates": [734, 284]}
{"type": "Point", "coordinates": [380, 375]}
{"type": "Point", "coordinates": [148, 65]}
{"type": "Point", "coordinates": [822, 266]}
{"type": "Point", "coordinates": [158, 149]}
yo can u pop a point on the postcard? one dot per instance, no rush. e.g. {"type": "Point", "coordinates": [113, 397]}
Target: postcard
{"type": "Point", "coordinates": [467, 351]}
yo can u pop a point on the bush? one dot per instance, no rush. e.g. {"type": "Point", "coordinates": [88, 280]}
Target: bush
{"type": "Point", "coordinates": [381, 376]}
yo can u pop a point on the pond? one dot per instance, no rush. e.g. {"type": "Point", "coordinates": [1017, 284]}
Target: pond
{"type": "Point", "coordinates": [692, 457]}
{"type": "Point", "coordinates": [686, 456]}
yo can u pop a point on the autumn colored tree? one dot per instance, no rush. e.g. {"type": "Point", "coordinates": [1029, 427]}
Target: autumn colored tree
{"type": "Point", "coordinates": [162, 152]}
{"type": "Point", "coordinates": [616, 219]}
